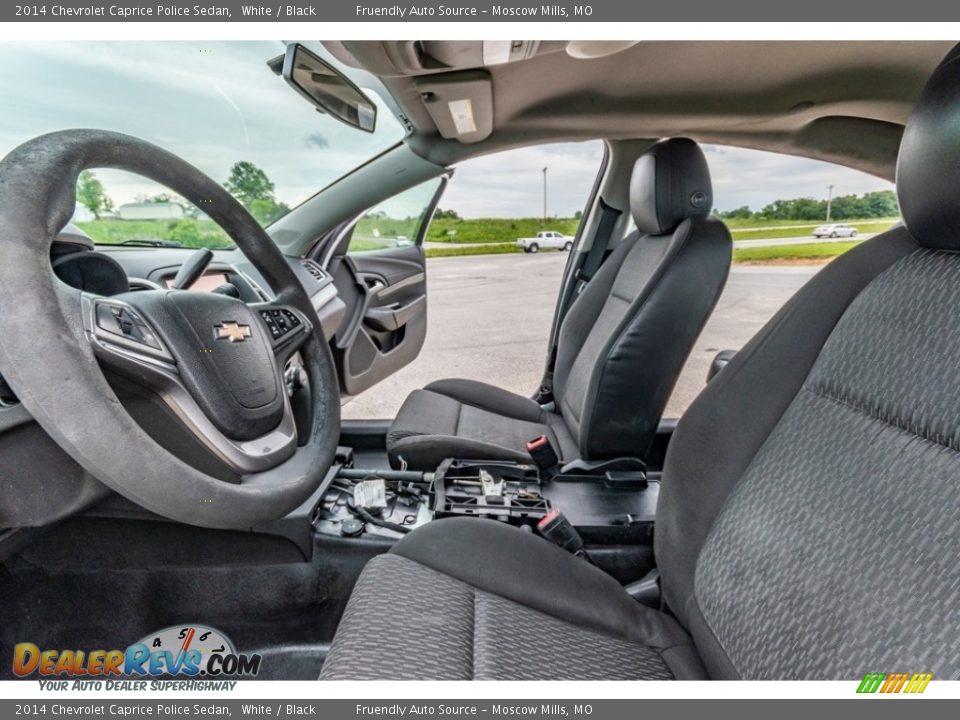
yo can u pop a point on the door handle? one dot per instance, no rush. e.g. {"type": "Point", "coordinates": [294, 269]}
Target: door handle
{"type": "Point", "coordinates": [393, 317]}
{"type": "Point", "coordinates": [373, 284]}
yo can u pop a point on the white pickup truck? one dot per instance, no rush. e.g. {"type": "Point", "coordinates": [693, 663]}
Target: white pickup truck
{"type": "Point", "coordinates": [548, 239]}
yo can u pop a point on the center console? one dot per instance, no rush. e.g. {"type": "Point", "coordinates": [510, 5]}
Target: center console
{"type": "Point", "coordinates": [604, 509]}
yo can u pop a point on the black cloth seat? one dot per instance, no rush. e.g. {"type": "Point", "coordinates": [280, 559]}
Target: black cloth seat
{"type": "Point", "coordinates": [490, 602]}
{"type": "Point", "coordinates": [807, 525]}
{"type": "Point", "coordinates": [469, 419]}
{"type": "Point", "coordinates": [621, 346]}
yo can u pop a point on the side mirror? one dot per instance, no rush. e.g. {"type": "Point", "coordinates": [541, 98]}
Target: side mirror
{"type": "Point", "coordinates": [720, 361]}
{"type": "Point", "coordinates": [328, 88]}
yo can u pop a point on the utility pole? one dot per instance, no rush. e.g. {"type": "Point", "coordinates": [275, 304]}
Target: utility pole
{"type": "Point", "coordinates": [829, 200]}
{"type": "Point", "coordinates": [545, 196]}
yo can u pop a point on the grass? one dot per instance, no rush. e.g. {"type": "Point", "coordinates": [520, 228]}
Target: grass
{"type": "Point", "coordinates": [495, 230]}
{"type": "Point", "coordinates": [501, 230]}
{"type": "Point", "coordinates": [809, 251]}
{"type": "Point", "coordinates": [761, 223]}
{"type": "Point", "coordinates": [187, 231]}
{"type": "Point", "coordinates": [786, 231]}
{"type": "Point", "coordinates": [497, 235]}
{"type": "Point", "coordinates": [761, 255]}
{"type": "Point", "coordinates": [487, 249]}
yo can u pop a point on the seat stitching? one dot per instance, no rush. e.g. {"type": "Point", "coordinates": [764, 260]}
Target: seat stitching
{"type": "Point", "coordinates": [473, 631]}
{"type": "Point", "coordinates": [873, 415]}
{"type": "Point", "coordinates": [456, 425]}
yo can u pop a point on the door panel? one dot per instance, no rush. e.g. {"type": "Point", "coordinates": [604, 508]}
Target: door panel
{"type": "Point", "coordinates": [386, 320]}
{"type": "Point", "coordinates": [379, 269]}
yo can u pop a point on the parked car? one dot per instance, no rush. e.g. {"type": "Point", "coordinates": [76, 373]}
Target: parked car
{"type": "Point", "coordinates": [835, 230]}
{"type": "Point", "coordinates": [546, 239]}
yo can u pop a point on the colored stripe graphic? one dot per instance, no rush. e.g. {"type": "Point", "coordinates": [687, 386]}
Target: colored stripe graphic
{"type": "Point", "coordinates": [890, 683]}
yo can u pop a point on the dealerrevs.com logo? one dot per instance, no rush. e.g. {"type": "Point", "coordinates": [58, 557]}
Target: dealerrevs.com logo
{"type": "Point", "coordinates": [182, 650]}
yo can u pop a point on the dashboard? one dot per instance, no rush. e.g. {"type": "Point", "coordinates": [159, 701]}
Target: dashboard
{"type": "Point", "coordinates": [208, 282]}
{"type": "Point", "coordinates": [112, 269]}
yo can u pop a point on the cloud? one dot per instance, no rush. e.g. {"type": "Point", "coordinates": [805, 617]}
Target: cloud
{"type": "Point", "coordinates": [511, 183]}
{"type": "Point", "coordinates": [755, 178]}
{"type": "Point", "coordinates": [317, 140]}
{"type": "Point", "coordinates": [210, 103]}
{"type": "Point", "coordinates": [216, 103]}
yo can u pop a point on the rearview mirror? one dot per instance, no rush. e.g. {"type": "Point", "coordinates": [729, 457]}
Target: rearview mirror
{"type": "Point", "coordinates": [328, 88]}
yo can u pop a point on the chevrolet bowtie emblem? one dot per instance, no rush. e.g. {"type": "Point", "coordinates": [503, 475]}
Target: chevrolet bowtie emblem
{"type": "Point", "coordinates": [234, 332]}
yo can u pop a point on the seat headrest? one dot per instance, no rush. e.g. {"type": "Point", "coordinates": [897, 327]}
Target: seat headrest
{"type": "Point", "coordinates": [670, 183]}
{"type": "Point", "coordinates": [928, 167]}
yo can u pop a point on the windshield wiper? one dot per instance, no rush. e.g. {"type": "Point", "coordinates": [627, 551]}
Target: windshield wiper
{"type": "Point", "coordinates": [150, 243]}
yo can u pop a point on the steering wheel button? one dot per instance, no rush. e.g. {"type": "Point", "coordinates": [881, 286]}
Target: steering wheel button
{"type": "Point", "coordinates": [148, 338]}
{"type": "Point", "coordinates": [107, 319]}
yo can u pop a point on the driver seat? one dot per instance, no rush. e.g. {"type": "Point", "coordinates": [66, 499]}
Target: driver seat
{"type": "Point", "coordinates": [808, 520]}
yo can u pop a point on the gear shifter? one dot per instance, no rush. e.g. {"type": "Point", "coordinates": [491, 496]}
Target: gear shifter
{"type": "Point", "coordinates": [192, 269]}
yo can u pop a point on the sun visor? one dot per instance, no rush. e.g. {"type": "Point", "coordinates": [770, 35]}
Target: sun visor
{"type": "Point", "coordinates": [460, 104]}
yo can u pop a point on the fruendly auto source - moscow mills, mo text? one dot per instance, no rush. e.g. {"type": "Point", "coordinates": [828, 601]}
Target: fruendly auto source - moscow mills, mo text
{"type": "Point", "coordinates": [494, 11]}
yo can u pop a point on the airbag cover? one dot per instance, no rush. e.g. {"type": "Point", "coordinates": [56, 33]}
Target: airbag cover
{"type": "Point", "coordinates": [235, 382]}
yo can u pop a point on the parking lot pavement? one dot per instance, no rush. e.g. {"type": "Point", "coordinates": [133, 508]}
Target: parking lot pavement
{"type": "Point", "coordinates": [489, 318]}
{"type": "Point", "coordinates": [805, 240]}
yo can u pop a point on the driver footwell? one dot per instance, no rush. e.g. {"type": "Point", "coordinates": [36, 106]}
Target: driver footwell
{"type": "Point", "coordinates": [104, 583]}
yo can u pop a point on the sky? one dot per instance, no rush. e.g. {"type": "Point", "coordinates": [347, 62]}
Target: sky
{"type": "Point", "coordinates": [511, 183]}
{"type": "Point", "coordinates": [211, 103]}
{"type": "Point", "coordinates": [216, 103]}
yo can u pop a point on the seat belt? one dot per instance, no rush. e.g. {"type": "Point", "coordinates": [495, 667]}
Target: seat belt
{"type": "Point", "coordinates": [609, 216]}
{"type": "Point", "coordinates": [601, 239]}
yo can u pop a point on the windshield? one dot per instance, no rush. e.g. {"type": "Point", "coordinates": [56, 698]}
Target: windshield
{"type": "Point", "coordinates": [217, 105]}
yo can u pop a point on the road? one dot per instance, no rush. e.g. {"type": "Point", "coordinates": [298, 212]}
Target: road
{"type": "Point", "coordinates": [805, 240]}
{"type": "Point", "coordinates": [767, 242]}
{"type": "Point", "coordinates": [489, 318]}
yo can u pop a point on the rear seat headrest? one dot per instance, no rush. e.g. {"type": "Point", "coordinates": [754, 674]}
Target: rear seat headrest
{"type": "Point", "coordinates": [670, 183]}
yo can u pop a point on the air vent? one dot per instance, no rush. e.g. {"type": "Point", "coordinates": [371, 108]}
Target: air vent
{"type": "Point", "coordinates": [315, 270]}
{"type": "Point", "coordinates": [7, 398]}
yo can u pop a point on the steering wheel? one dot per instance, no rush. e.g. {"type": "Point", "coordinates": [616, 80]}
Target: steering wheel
{"type": "Point", "coordinates": [216, 361]}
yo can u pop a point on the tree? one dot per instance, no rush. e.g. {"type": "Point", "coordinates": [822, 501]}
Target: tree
{"type": "Point", "coordinates": [882, 203]}
{"type": "Point", "coordinates": [446, 215]}
{"type": "Point", "coordinates": [248, 183]}
{"type": "Point", "coordinates": [266, 210]}
{"type": "Point", "coordinates": [163, 197]}
{"type": "Point", "coordinates": [740, 213]}
{"type": "Point", "coordinates": [91, 195]}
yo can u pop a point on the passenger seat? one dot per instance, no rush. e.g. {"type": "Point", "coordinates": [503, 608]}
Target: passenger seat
{"type": "Point", "coordinates": [621, 346]}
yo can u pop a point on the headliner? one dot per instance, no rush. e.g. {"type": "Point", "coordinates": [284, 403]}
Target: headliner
{"type": "Point", "coordinates": [843, 102]}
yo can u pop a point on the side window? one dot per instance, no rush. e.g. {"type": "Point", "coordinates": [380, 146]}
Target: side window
{"type": "Point", "coordinates": [394, 223]}
{"type": "Point", "coordinates": [789, 217]}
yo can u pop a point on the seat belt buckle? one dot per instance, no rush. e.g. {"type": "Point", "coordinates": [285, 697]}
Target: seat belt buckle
{"type": "Point", "coordinates": [543, 454]}
{"type": "Point", "coordinates": [555, 527]}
